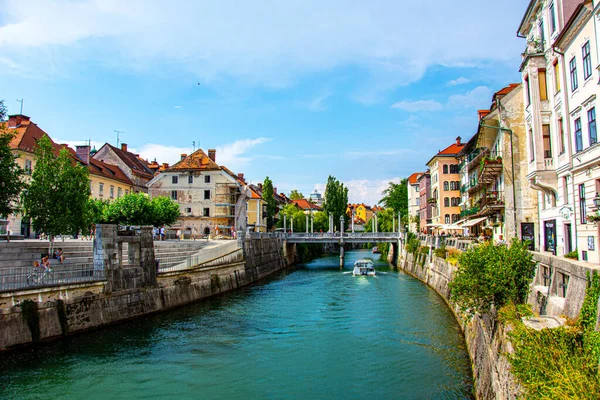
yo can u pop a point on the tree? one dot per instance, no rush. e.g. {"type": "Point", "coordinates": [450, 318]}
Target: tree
{"type": "Point", "coordinates": [164, 211]}
{"type": "Point", "coordinates": [336, 199]}
{"type": "Point", "coordinates": [57, 196]}
{"type": "Point", "coordinates": [296, 195]}
{"type": "Point", "coordinates": [395, 196]}
{"type": "Point", "coordinates": [292, 212]}
{"type": "Point", "coordinates": [11, 175]}
{"type": "Point", "coordinates": [268, 195]}
{"type": "Point", "coordinates": [132, 209]}
{"type": "Point", "coordinates": [321, 222]}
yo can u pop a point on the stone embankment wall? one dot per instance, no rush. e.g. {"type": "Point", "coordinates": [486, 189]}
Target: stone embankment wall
{"type": "Point", "coordinates": [76, 308]}
{"type": "Point", "coordinates": [486, 343]}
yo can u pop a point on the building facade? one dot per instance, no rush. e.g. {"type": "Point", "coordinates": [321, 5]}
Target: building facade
{"type": "Point", "coordinates": [414, 201]}
{"type": "Point", "coordinates": [136, 169]}
{"type": "Point", "coordinates": [425, 207]}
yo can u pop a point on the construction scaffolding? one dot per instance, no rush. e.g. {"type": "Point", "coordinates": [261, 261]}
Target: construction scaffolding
{"type": "Point", "coordinates": [226, 195]}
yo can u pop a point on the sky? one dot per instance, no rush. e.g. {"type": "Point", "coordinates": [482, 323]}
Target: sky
{"type": "Point", "coordinates": [295, 90]}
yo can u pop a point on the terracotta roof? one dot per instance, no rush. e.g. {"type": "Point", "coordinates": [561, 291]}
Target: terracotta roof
{"type": "Point", "coordinates": [414, 178]}
{"type": "Point", "coordinates": [198, 160]}
{"type": "Point", "coordinates": [100, 168]}
{"type": "Point", "coordinates": [450, 151]}
{"type": "Point", "coordinates": [304, 204]}
{"type": "Point", "coordinates": [26, 137]}
{"type": "Point", "coordinates": [138, 166]}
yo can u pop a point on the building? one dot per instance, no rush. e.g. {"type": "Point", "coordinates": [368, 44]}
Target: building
{"type": "Point", "coordinates": [316, 198]}
{"type": "Point", "coordinates": [414, 201]}
{"type": "Point", "coordinates": [578, 185]}
{"type": "Point", "coordinates": [361, 211]}
{"type": "Point", "coordinates": [306, 206]}
{"type": "Point", "coordinates": [445, 185]}
{"type": "Point", "coordinates": [135, 168]}
{"type": "Point", "coordinates": [425, 207]}
{"type": "Point", "coordinates": [256, 209]}
{"type": "Point", "coordinates": [205, 191]}
{"type": "Point", "coordinates": [549, 80]}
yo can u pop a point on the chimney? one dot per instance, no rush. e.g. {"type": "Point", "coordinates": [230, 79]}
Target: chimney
{"type": "Point", "coordinates": [16, 120]}
{"type": "Point", "coordinates": [212, 154]}
{"type": "Point", "coordinates": [124, 146]}
{"type": "Point", "coordinates": [83, 152]}
{"type": "Point", "coordinates": [260, 187]}
{"type": "Point", "coordinates": [183, 156]}
{"type": "Point", "coordinates": [482, 113]}
{"type": "Point", "coordinates": [275, 190]}
{"type": "Point", "coordinates": [458, 140]}
{"type": "Point", "coordinates": [241, 177]}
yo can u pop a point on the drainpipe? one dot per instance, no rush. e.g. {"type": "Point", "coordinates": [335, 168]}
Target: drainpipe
{"type": "Point", "coordinates": [512, 160]}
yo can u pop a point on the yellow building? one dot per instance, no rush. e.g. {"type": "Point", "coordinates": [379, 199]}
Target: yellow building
{"type": "Point", "coordinates": [255, 211]}
{"type": "Point", "coordinates": [361, 211]}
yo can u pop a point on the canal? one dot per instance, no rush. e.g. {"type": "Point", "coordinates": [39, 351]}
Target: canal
{"type": "Point", "coordinates": [309, 332]}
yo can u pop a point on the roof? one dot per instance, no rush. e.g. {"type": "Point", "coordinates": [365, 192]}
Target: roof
{"type": "Point", "coordinates": [137, 165]}
{"type": "Point", "coordinates": [450, 151]}
{"type": "Point", "coordinates": [27, 134]}
{"type": "Point", "coordinates": [414, 178]}
{"type": "Point", "coordinates": [256, 192]}
{"type": "Point", "coordinates": [306, 205]}
{"type": "Point", "coordinates": [567, 32]}
{"type": "Point", "coordinates": [198, 160]}
{"type": "Point", "coordinates": [100, 168]}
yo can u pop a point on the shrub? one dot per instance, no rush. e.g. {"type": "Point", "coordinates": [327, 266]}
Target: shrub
{"type": "Point", "coordinates": [492, 275]}
{"type": "Point", "coordinates": [424, 250]}
{"type": "Point", "coordinates": [574, 255]}
{"type": "Point", "coordinates": [441, 252]}
{"type": "Point", "coordinates": [413, 245]}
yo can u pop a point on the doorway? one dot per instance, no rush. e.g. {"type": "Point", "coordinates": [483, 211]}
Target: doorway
{"type": "Point", "coordinates": [550, 236]}
{"type": "Point", "coordinates": [528, 234]}
{"type": "Point", "coordinates": [568, 240]}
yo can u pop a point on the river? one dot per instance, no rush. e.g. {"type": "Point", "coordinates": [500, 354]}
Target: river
{"type": "Point", "coordinates": [310, 332]}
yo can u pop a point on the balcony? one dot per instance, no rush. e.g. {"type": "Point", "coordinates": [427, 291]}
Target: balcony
{"type": "Point", "coordinates": [491, 202]}
{"type": "Point", "coordinates": [490, 169]}
{"type": "Point", "coordinates": [474, 158]}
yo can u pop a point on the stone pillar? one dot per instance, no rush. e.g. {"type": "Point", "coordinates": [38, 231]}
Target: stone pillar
{"type": "Point", "coordinates": [292, 225]}
{"type": "Point", "coordinates": [306, 223]}
{"type": "Point", "coordinates": [105, 248]}
{"type": "Point", "coordinates": [312, 223]}
{"type": "Point", "coordinates": [341, 254]}
{"type": "Point", "coordinates": [147, 256]}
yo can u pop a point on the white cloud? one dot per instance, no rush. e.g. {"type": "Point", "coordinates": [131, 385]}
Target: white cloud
{"type": "Point", "coordinates": [394, 41]}
{"type": "Point", "coordinates": [459, 81]}
{"type": "Point", "coordinates": [178, 106]}
{"type": "Point", "coordinates": [73, 143]}
{"type": "Point", "coordinates": [475, 99]}
{"type": "Point", "coordinates": [318, 103]}
{"type": "Point", "coordinates": [161, 153]}
{"type": "Point", "coordinates": [417, 106]}
{"type": "Point", "coordinates": [363, 190]}
{"type": "Point", "coordinates": [235, 155]}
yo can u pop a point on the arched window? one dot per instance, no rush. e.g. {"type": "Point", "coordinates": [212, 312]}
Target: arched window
{"type": "Point", "coordinates": [446, 186]}
{"type": "Point", "coordinates": [445, 169]}
{"type": "Point", "coordinates": [455, 218]}
{"type": "Point", "coordinates": [452, 186]}
{"type": "Point", "coordinates": [447, 202]}
{"type": "Point", "coordinates": [447, 218]}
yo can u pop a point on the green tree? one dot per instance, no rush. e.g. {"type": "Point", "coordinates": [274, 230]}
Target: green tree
{"type": "Point", "coordinates": [492, 275]}
{"type": "Point", "coordinates": [336, 199]}
{"type": "Point", "coordinates": [321, 222]}
{"type": "Point", "coordinates": [164, 211]}
{"type": "Point", "coordinates": [11, 175]}
{"type": "Point", "coordinates": [292, 212]}
{"type": "Point", "coordinates": [268, 195]}
{"type": "Point", "coordinates": [132, 209]}
{"type": "Point", "coordinates": [57, 196]}
{"type": "Point", "coordinates": [395, 196]}
{"type": "Point", "coordinates": [296, 195]}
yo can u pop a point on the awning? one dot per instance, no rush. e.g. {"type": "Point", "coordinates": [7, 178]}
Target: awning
{"type": "Point", "coordinates": [473, 222]}
{"type": "Point", "coordinates": [449, 227]}
{"type": "Point", "coordinates": [433, 225]}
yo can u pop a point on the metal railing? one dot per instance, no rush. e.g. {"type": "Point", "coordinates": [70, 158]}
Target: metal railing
{"type": "Point", "coordinates": [208, 257]}
{"type": "Point", "coordinates": [21, 278]}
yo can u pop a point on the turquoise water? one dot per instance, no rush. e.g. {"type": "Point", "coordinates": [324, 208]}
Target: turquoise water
{"type": "Point", "coordinates": [309, 332]}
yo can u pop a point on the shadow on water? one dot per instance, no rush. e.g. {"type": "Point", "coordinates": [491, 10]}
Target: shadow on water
{"type": "Point", "coordinates": [310, 331]}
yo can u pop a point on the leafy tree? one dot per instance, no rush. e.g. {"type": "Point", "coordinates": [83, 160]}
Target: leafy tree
{"type": "Point", "coordinates": [321, 222]}
{"type": "Point", "coordinates": [395, 196]}
{"type": "Point", "coordinates": [11, 175]}
{"type": "Point", "coordinates": [94, 212]}
{"type": "Point", "coordinates": [268, 195]}
{"type": "Point", "coordinates": [164, 211]}
{"type": "Point", "coordinates": [492, 275]}
{"type": "Point", "coordinates": [296, 195]}
{"type": "Point", "coordinates": [291, 211]}
{"type": "Point", "coordinates": [132, 209]}
{"type": "Point", "coordinates": [57, 196]}
{"type": "Point", "coordinates": [336, 199]}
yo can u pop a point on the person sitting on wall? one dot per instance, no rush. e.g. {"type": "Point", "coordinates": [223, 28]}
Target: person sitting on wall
{"type": "Point", "coordinates": [45, 262]}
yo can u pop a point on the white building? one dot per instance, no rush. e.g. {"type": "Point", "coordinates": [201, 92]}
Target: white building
{"type": "Point", "coordinates": [414, 201]}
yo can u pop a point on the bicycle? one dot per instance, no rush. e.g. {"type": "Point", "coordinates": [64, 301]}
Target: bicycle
{"type": "Point", "coordinates": [38, 278]}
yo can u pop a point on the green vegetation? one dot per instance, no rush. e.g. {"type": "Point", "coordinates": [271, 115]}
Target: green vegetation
{"type": "Point", "coordinates": [441, 252]}
{"type": "Point", "coordinates": [308, 251]}
{"type": "Point", "coordinates": [133, 209]}
{"type": "Point", "coordinates": [492, 275]}
{"type": "Point", "coordinates": [336, 199]}
{"type": "Point", "coordinates": [559, 363]}
{"type": "Point", "coordinates": [296, 195]}
{"type": "Point", "coordinates": [269, 197]}
{"type": "Point", "coordinates": [574, 255]}
{"type": "Point", "coordinates": [11, 175]}
{"type": "Point", "coordinates": [395, 197]}
{"type": "Point", "coordinates": [58, 194]}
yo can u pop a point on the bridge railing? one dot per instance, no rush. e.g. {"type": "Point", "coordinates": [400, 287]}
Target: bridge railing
{"type": "Point", "coordinates": [20, 278]}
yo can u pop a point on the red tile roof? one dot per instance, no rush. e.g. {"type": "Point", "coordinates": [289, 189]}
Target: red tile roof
{"type": "Point", "coordinates": [27, 135]}
{"type": "Point", "coordinates": [304, 204]}
{"type": "Point", "coordinates": [138, 166]}
{"type": "Point", "coordinates": [100, 168]}
{"type": "Point", "coordinates": [198, 160]}
{"type": "Point", "coordinates": [451, 150]}
{"type": "Point", "coordinates": [413, 179]}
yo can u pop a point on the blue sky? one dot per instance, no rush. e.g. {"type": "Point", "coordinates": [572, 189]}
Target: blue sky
{"type": "Point", "coordinates": [296, 90]}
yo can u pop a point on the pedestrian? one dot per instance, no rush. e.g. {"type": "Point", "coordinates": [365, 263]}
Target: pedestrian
{"type": "Point", "coordinates": [501, 241]}
{"type": "Point", "coordinates": [162, 233]}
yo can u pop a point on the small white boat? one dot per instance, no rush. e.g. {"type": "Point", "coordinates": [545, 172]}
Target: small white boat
{"type": "Point", "coordinates": [364, 267]}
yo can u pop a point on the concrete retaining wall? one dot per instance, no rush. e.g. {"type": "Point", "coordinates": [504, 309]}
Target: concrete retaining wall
{"type": "Point", "coordinates": [76, 308]}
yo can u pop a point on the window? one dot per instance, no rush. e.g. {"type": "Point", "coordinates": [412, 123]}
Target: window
{"type": "Point", "coordinates": [552, 18]}
{"type": "Point", "coordinates": [173, 194]}
{"type": "Point", "coordinates": [28, 167]}
{"type": "Point", "coordinates": [119, 192]}
{"type": "Point", "coordinates": [446, 202]}
{"type": "Point", "coordinates": [542, 34]}
{"type": "Point", "coordinates": [566, 190]}
{"type": "Point", "coordinates": [188, 210]}
{"type": "Point", "coordinates": [207, 195]}
{"type": "Point", "coordinates": [578, 138]}
{"type": "Point", "coordinates": [556, 77]}
{"type": "Point", "coordinates": [174, 179]}
{"type": "Point", "coordinates": [445, 169]}
{"type": "Point", "coordinates": [112, 192]}
{"type": "Point", "coordinates": [531, 147]}
{"type": "Point", "coordinates": [455, 201]}
{"type": "Point", "coordinates": [455, 218]}
{"type": "Point", "coordinates": [447, 219]}
{"type": "Point", "coordinates": [561, 135]}
{"type": "Point", "coordinates": [542, 83]}
{"type": "Point", "coordinates": [190, 179]}
{"type": "Point", "coordinates": [454, 169]}
{"type": "Point", "coordinates": [592, 125]}
{"type": "Point", "coordinates": [563, 284]}
{"type": "Point", "coordinates": [528, 94]}
{"type": "Point", "coordinates": [446, 186]}
{"type": "Point", "coordinates": [206, 178]}
{"type": "Point", "coordinates": [587, 60]}
{"type": "Point", "coordinates": [582, 208]}
{"type": "Point", "coordinates": [101, 189]}
{"type": "Point", "coordinates": [126, 192]}
{"type": "Point", "coordinates": [573, 73]}
{"type": "Point", "coordinates": [547, 144]}
{"type": "Point", "coordinates": [206, 212]}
